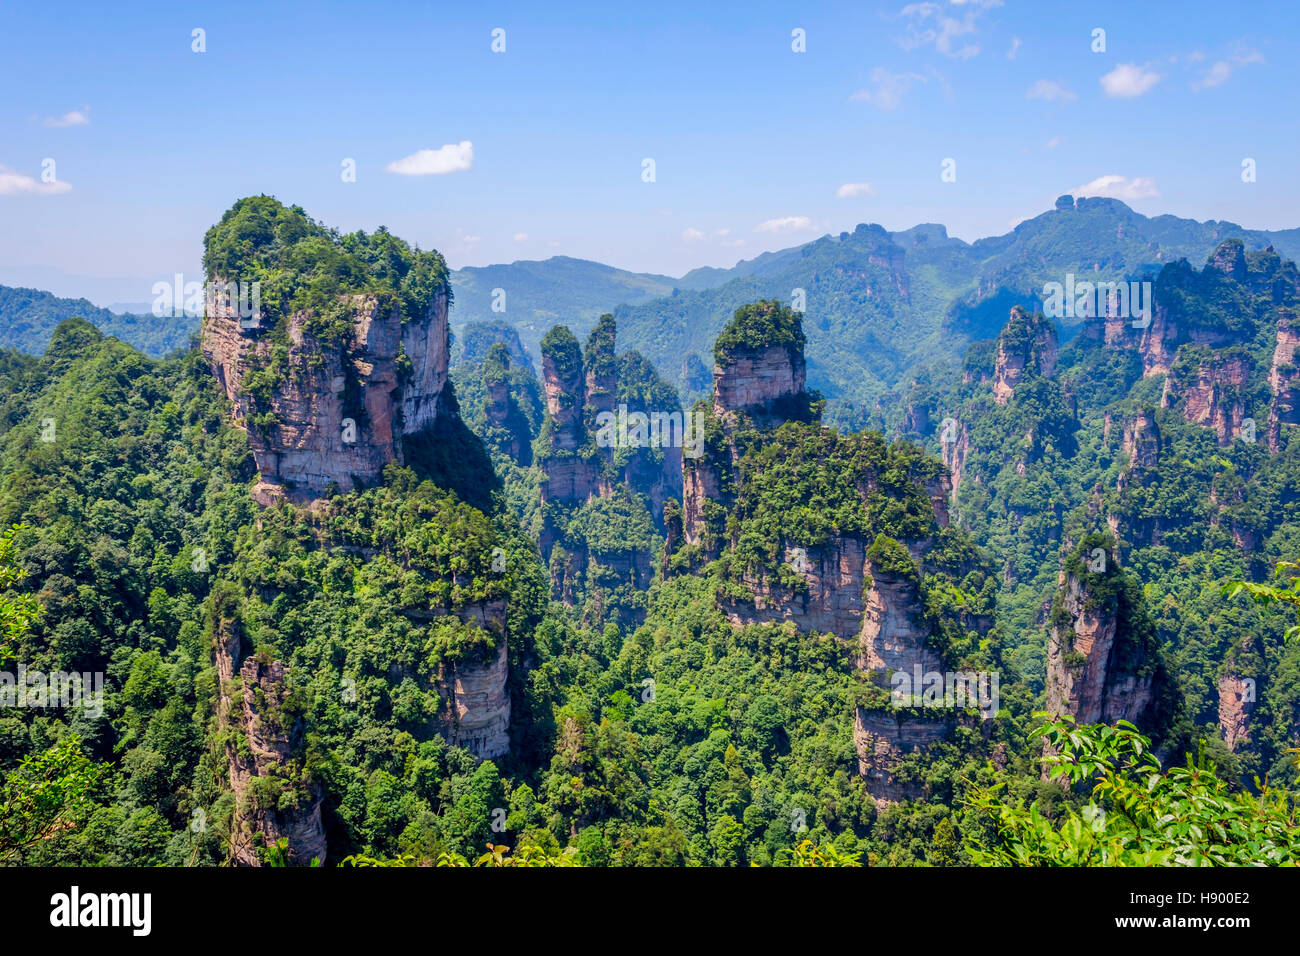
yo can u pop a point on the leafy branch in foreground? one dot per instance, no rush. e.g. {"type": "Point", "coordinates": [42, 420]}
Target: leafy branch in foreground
{"type": "Point", "coordinates": [1268, 594]}
{"type": "Point", "coordinates": [808, 853]}
{"type": "Point", "coordinates": [1138, 814]}
{"type": "Point", "coordinates": [45, 795]}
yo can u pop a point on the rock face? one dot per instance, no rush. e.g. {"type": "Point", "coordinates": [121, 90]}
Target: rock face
{"type": "Point", "coordinates": [885, 622]}
{"type": "Point", "coordinates": [475, 703]}
{"type": "Point", "coordinates": [894, 638]}
{"type": "Point", "coordinates": [1284, 381]}
{"type": "Point", "coordinates": [1211, 393]}
{"type": "Point", "coordinates": [324, 412]}
{"type": "Point", "coordinates": [882, 739]}
{"type": "Point", "coordinates": [564, 381]}
{"type": "Point", "coordinates": [954, 453]}
{"type": "Point", "coordinates": [1141, 441]}
{"type": "Point", "coordinates": [833, 602]}
{"type": "Point", "coordinates": [1236, 702]}
{"type": "Point", "coordinates": [764, 385]}
{"type": "Point", "coordinates": [1101, 663]}
{"type": "Point", "coordinates": [252, 704]}
{"type": "Point", "coordinates": [756, 380]}
{"type": "Point", "coordinates": [1027, 346]}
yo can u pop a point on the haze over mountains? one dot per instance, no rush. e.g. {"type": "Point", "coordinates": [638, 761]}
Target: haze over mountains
{"type": "Point", "coordinates": [879, 305]}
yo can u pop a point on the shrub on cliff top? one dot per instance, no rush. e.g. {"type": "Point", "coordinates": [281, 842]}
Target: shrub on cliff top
{"type": "Point", "coordinates": [759, 325]}
{"type": "Point", "coordinates": [303, 265]}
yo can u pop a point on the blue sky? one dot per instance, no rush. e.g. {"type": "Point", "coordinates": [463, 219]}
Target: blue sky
{"type": "Point", "coordinates": [754, 144]}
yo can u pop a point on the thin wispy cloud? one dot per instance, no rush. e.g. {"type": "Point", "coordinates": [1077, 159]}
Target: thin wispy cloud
{"type": "Point", "coordinates": [887, 89]}
{"type": "Point", "coordinates": [1118, 187]}
{"type": "Point", "coordinates": [1051, 91]}
{"type": "Point", "coordinates": [79, 117]}
{"type": "Point", "coordinates": [521, 237]}
{"type": "Point", "coordinates": [1221, 71]}
{"type": "Point", "coordinates": [785, 224]}
{"type": "Point", "coordinates": [1129, 80]}
{"type": "Point", "coordinates": [931, 24]}
{"type": "Point", "coordinates": [14, 183]}
{"type": "Point", "coordinates": [691, 234]}
{"type": "Point", "coordinates": [1015, 48]}
{"type": "Point", "coordinates": [854, 191]}
{"type": "Point", "coordinates": [452, 158]}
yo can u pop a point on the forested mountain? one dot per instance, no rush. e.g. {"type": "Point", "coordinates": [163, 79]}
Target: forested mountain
{"type": "Point", "coordinates": [28, 318]}
{"type": "Point", "coordinates": [352, 603]}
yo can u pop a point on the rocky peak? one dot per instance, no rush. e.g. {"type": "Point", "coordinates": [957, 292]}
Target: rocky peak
{"type": "Point", "coordinates": [332, 373]}
{"type": "Point", "coordinates": [564, 379]}
{"type": "Point", "coordinates": [759, 369]}
{"type": "Point", "coordinates": [1102, 657]}
{"type": "Point", "coordinates": [1141, 442]}
{"type": "Point", "coordinates": [508, 426]}
{"type": "Point", "coordinates": [601, 365]}
{"type": "Point", "coordinates": [1230, 259]}
{"type": "Point", "coordinates": [1026, 347]}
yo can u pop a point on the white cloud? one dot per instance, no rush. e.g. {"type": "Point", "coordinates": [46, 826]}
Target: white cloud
{"type": "Point", "coordinates": [1216, 75]}
{"type": "Point", "coordinates": [1052, 143]}
{"type": "Point", "coordinates": [929, 25]}
{"type": "Point", "coordinates": [13, 183]}
{"type": "Point", "coordinates": [889, 88]}
{"type": "Point", "coordinates": [1015, 48]}
{"type": "Point", "coordinates": [1221, 70]}
{"type": "Point", "coordinates": [1118, 187]}
{"type": "Point", "coordinates": [451, 158]}
{"type": "Point", "coordinates": [79, 117]}
{"type": "Point", "coordinates": [521, 237]}
{"type": "Point", "coordinates": [1129, 80]}
{"type": "Point", "coordinates": [692, 235]}
{"type": "Point", "coordinates": [1050, 91]}
{"type": "Point", "coordinates": [786, 224]}
{"type": "Point", "coordinates": [854, 191]}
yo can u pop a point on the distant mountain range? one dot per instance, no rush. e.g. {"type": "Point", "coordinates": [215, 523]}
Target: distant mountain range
{"type": "Point", "coordinates": [879, 306]}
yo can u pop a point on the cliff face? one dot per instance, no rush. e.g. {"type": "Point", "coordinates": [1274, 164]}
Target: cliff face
{"type": "Point", "coordinates": [475, 710]}
{"type": "Point", "coordinates": [1236, 702]}
{"type": "Point", "coordinates": [757, 381]}
{"type": "Point", "coordinates": [1211, 393]}
{"type": "Point", "coordinates": [894, 639]}
{"type": "Point", "coordinates": [885, 623]}
{"type": "Point", "coordinates": [1284, 381]}
{"type": "Point", "coordinates": [322, 412]}
{"type": "Point", "coordinates": [1027, 346]}
{"type": "Point", "coordinates": [1141, 442]}
{"type": "Point", "coordinates": [1101, 656]}
{"type": "Point", "coordinates": [251, 703]}
{"type": "Point", "coordinates": [832, 603]}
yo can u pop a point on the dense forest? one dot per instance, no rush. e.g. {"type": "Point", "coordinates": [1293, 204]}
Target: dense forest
{"type": "Point", "coordinates": [513, 640]}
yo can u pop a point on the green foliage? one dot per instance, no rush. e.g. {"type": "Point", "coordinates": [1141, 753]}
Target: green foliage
{"type": "Point", "coordinates": [759, 325]}
{"type": "Point", "coordinates": [303, 266]}
{"type": "Point", "coordinates": [1137, 813]}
